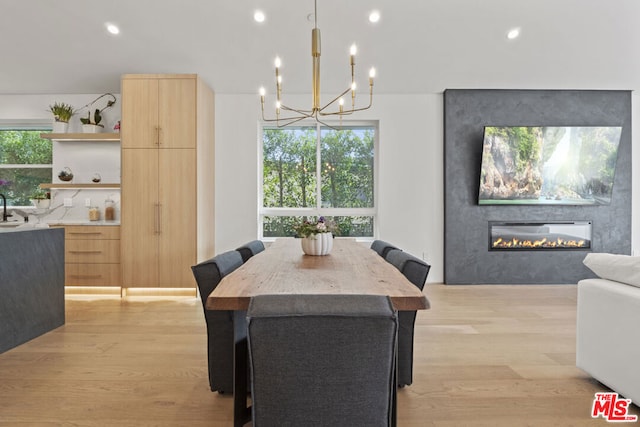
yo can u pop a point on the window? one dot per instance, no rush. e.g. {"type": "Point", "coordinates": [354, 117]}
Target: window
{"type": "Point", "coordinates": [309, 171]}
{"type": "Point", "coordinates": [25, 162]}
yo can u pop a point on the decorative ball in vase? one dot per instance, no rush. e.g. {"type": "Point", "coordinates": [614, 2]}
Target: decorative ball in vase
{"type": "Point", "coordinates": [65, 174]}
{"type": "Point", "coordinates": [316, 237]}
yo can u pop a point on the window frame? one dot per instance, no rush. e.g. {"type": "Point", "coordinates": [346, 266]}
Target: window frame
{"type": "Point", "coordinates": [318, 210]}
{"type": "Point", "coordinates": [43, 126]}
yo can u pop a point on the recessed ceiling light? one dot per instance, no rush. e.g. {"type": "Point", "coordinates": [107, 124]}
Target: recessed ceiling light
{"type": "Point", "coordinates": [513, 33]}
{"type": "Point", "coordinates": [258, 16]}
{"type": "Point", "coordinates": [374, 16]}
{"type": "Point", "coordinates": [112, 28]}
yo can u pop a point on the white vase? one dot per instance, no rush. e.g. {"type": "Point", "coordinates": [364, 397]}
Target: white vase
{"type": "Point", "coordinates": [318, 244]}
{"type": "Point", "coordinates": [41, 203]}
{"type": "Point", "coordinates": [60, 127]}
{"type": "Point", "coordinates": [91, 129]}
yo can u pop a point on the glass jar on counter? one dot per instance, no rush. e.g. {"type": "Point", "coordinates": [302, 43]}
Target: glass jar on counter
{"type": "Point", "coordinates": [94, 213]}
{"type": "Point", "coordinates": [109, 210]}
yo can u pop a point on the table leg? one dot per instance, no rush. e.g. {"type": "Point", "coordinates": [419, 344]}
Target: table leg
{"type": "Point", "coordinates": [241, 413]}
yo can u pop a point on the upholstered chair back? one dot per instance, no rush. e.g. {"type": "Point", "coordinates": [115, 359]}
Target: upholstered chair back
{"type": "Point", "coordinates": [416, 271]}
{"type": "Point", "coordinates": [250, 249]}
{"type": "Point", "coordinates": [220, 341]}
{"type": "Point", "coordinates": [322, 360]}
{"type": "Point", "coordinates": [382, 247]}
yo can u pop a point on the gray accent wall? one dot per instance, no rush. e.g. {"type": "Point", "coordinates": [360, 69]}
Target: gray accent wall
{"type": "Point", "coordinates": [466, 112]}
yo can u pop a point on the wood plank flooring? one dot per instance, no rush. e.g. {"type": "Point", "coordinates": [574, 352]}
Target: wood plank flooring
{"type": "Point", "coordinates": [484, 356]}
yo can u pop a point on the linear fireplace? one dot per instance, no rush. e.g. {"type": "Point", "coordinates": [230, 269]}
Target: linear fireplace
{"type": "Point", "coordinates": [533, 236]}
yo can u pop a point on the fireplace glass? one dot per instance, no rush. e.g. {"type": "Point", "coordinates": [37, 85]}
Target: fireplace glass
{"type": "Point", "coordinates": [550, 235]}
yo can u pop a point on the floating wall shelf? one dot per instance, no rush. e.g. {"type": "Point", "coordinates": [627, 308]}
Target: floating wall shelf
{"type": "Point", "coordinates": [98, 137]}
{"type": "Point", "coordinates": [71, 186]}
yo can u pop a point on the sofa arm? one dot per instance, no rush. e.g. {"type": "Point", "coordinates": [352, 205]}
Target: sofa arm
{"type": "Point", "coordinates": [608, 334]}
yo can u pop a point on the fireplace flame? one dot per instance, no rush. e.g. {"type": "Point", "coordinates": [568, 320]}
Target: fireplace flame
{"type": "Point", "coordinates": [543, 243]}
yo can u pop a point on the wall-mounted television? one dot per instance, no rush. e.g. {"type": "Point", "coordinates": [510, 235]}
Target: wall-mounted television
{"type": "Point", "coordinates": [548, 165]}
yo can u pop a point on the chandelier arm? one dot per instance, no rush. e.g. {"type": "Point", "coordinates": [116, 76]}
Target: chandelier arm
{"type": "Point", "coordinates": [334, 100]}
{"type": "Point", "coordinates": [346, 112]}
{"type": "Point", "coordinates": [353, 110]}
{"type": "Point", "coordinates": [279, 119]}
{"type": "Point", "coordinates": [290, 122]}
{"type": "Point", "coordinates": [327, 124]}
{"type": "Point", "coordinates": [308, 113]}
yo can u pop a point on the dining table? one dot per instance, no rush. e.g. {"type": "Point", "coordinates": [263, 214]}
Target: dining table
{"type": "Point", "coordinates": [350, 268]}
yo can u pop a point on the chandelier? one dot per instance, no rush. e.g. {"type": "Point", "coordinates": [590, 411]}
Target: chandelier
{"type": "Point", "coordinates": [285, 115]}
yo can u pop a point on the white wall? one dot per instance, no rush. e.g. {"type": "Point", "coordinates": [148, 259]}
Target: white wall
{"type": "Point", "coordinates": [36, 107]}
{"type": "Point", "coordinates": [410, 175]}
{"type": "Point", "coordinates": [84, 159]}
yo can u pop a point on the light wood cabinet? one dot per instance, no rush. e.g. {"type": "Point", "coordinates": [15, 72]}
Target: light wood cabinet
{"type": "Point", "coordinates": [92, 255]}
{"type": "Point", "coordinates": [167, 202]}
{"type": "Point", "coordinates": [159, 112]}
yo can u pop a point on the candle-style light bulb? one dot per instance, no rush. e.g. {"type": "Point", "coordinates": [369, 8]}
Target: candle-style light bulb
{"type": "Point", "coordinates": [372, 74]}
{"type": "Point", "coordinates": [353, 49]}
{"type": "Point", "coordinates": [263, 92]}
{"type": "Point", "coordinates": [341, 103]}
{"type": "Point", "coordinates": [353, 86]}
{"type": "Point", "coordinates": [278, 78]}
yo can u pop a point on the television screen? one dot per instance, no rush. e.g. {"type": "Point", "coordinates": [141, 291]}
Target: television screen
{"type": "Point", "coordinates": [548, 165]}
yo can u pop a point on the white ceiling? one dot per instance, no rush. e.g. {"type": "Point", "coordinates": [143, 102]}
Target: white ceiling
{"type": "Point", "coordinates": [419, 46]}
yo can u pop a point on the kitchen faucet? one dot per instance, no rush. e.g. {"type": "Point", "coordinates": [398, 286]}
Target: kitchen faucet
{"type": "Point", "coordinates": [4, 208]}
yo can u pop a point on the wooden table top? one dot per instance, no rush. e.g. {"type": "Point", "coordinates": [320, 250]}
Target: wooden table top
{"type": "Point", "coordinates": [350, 268]}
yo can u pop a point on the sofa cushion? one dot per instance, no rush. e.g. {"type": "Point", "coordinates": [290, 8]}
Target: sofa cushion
{"type": "Point", "coordinates": [620, 268]}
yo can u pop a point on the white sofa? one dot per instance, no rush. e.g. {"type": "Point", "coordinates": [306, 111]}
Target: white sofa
{"type": "Point", "coordinates": [608, 323]}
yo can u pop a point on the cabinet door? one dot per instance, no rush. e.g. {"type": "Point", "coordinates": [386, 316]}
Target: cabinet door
{"type": "Point", "coordinates": [139, 127]}
{"type": "Point", "coordinates": [177, 113]}
{"type": "Point", "coordinates": [140, 218]}
{"type": "Point", "coordinates": [178, 205]}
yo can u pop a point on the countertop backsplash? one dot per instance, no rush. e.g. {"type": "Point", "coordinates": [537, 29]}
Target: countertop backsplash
{"type": "Point", "coordinates": [78, 213]}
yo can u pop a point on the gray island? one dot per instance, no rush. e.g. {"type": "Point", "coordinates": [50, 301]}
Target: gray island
{"type": "Point", "coordinates": [31, 284]}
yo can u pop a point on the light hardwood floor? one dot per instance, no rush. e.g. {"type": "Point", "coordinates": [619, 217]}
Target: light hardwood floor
{"type": "Point", "coordinates": [484, 356]}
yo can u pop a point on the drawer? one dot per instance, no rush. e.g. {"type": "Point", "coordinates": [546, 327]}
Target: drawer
{"type": "Point", "coordinates": [88, 232]}
{"type": "Point", "coordinates": [92, 251]}
{"type": "Point", "coordinates": [92, 275]}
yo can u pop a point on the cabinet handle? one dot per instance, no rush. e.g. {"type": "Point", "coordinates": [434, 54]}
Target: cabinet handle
{"type": "Point", "coordinates": [156, 219]}
{"type": "Point", "coordinates": [86, 232]}
{"type": "Point", "coordinates": [85, 252]}
{"type": "Point", "coordinates": [80, 276]}
{"type": "Point", "coordinates": [159, 218]}
{"type": "Point", "coordinates": [157, 135]}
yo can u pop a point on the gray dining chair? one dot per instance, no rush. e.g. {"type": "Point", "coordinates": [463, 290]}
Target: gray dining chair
{"type": "Point", "coordinates": [322, 360]}
{"type": "Point", "coordinates": [250, 249]}
{"type": "Point", "coordinates": [382, 247]}
{"type": "Point", "coordinates": [416, 271]}
{"type": "Point", "coordinates": [220, 341]}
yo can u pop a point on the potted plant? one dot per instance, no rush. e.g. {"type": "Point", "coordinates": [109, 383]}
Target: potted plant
{"type": "Point", "coordinates": [91, 123]}
{"type": "Point", "coordinates": [41, 199]}
{"type": "Point", "coordinates": [62, 113]}
{"type": "Point", "coordinates": [317, 237]}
